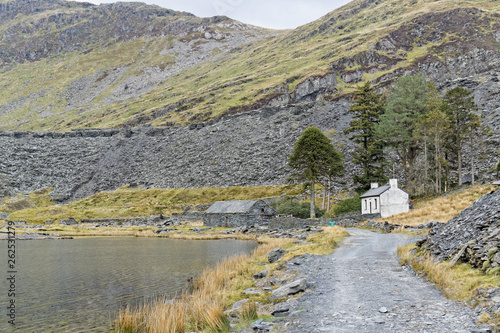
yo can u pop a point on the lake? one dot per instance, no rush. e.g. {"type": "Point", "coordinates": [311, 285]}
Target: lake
{"type": "Point", "coordinates": [79, 285]}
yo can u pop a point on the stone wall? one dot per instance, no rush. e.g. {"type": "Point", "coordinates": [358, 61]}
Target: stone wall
{"type": "Point", "coordinates": [233, 220]}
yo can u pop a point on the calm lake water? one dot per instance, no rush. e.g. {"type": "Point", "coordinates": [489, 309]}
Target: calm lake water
{"type": "Point", "coordinates": [79, 285]}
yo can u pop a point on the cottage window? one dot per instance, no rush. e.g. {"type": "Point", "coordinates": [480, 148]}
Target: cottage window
{"type": "Point", "coordinates": [366, 204]}
{"type": "Point", "coordinates": [375, 203]}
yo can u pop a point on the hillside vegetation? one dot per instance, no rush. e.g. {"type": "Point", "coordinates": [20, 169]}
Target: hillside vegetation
{"type": "Point", "coordinates": [441, 208]}
{"type": "Point", "coordinates": [129, 202]}
{"type": "Point", "coordinates": [181, 69]}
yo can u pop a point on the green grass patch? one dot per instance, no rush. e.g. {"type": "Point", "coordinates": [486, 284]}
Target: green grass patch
{"type": "Point", "coordinates": [348, 205]}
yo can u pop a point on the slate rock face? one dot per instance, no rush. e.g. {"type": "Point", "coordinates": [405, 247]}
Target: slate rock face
{"type": "Point", "coordinates": [244, 149]}
{"type": "Point", "coordinates": [473, 236]}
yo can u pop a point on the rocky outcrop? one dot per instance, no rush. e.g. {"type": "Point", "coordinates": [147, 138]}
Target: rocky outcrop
{"type": "Point", "coordinates": [44, 28]}
{"type": "Point", "coordinates": [473, 236]}
{"type": "Point", "coordinates": [289, 289]}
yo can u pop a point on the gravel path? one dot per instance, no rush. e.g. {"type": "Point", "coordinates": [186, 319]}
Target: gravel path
{"type": "Point", "coordinates": [362, 288]}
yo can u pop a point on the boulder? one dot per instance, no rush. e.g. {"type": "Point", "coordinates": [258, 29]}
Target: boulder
{"type": "Point", "coordinates": [275, 254]}
{"type": "Point", "coordinates": [281, 310]}
{"type": "Point", "coordinates": [260, 275]}
{"type": "Point", "coordinates": [261, 326]}
{"type": "Point", "coordinates": [252, 291]}
{"type": "Point", "coordinates": [235, 309]}
{"type": "Point", "coordinates": [289, 289]}
{"type": "Point", "coordinates": [70, 221]}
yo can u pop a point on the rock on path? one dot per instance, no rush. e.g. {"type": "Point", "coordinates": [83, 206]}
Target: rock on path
{"type": "Point", "coordinates": [362, 288]}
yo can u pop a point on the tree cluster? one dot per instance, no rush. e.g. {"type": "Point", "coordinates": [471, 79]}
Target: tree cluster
{"type": "Point", "coordinates": [426, 131]}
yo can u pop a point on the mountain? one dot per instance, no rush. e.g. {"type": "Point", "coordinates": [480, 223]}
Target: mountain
{"type": "Point", "coordinates": [71, 65]}
{"type": "Point", "coordinates": [64, 64]}
{"type": "Point", "coordinates": [191, 102]}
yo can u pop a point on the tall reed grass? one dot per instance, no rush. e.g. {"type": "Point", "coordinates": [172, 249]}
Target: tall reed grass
{"type": "Point", "coordinates": [203, 309]}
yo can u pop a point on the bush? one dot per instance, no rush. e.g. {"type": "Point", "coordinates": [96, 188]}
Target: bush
{"type": "Point", "coordinates": [347, 206]}
{"type": "Point", "coordinates": [291, 206]}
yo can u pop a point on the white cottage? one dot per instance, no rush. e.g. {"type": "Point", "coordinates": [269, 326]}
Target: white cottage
{"type": "Point", "coordinates": [387, 200]}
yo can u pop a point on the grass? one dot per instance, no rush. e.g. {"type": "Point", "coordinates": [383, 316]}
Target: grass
{"type": "Point", "coordinates": [218, 288]}
{"type": "Point", "coordinates": [40, 198]}
{"type": "Point", "coordinates": [440, 209]}
{"type": "Point", "coordinates": [129, 202]}
{"type": "Point", "coordinates": [459, 282]}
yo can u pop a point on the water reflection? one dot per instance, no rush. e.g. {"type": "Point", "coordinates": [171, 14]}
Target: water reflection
{"type": "Point", "coordinates": [79, 285]}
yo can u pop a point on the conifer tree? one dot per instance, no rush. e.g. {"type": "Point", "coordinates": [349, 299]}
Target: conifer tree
{"type": "Point", "coordinates": [366, 109]}
{"type": "Point", "coordinates": [432, 129]}
{"type": "Point", "coordinates": [313, 158]}
{"type": "Point", "coordinates": [405, 104]}
{"type": "Point", "coordinates": [459, 106]}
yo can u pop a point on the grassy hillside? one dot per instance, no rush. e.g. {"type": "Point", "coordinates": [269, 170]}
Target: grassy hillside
{"type": "Point", "coordinates": [366, 40]}
{"type": "Point", "coordinates": [131, 202]}
{"type": "Point", "coordinates": [442, 208]}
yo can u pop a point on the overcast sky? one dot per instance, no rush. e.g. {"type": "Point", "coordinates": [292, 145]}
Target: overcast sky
{"type": "Point", "coordinates": [276, 14]}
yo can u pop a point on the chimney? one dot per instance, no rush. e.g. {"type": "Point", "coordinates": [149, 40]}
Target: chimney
{"type": "Point", "coordinates": [373, 185]}
{"type": "Point", "coordinates": [393, 183]}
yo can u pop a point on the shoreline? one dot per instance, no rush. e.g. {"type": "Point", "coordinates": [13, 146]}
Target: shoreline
{"type": "Point", "coordinates": [238, 290]}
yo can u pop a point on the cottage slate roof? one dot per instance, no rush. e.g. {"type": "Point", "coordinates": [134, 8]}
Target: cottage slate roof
{"type": "Point", "coordinates": [375, 192]}
{"type": "Point", "coordinates": [231, 207]}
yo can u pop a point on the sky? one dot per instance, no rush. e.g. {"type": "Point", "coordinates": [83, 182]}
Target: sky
{"type": "Point", "coordinates": [275, 14]}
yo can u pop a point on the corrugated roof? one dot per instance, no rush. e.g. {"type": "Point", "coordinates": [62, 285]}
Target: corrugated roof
{"type": "Point", "coordinates": [375, 192]}
{"type": "Point", "coordinates": [234, 206]}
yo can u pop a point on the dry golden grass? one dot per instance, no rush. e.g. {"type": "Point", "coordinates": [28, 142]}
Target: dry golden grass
{"type": "Point", "coordinates": [203, 309]}
{"type": "Point", "coordinates": [399, 230]}
{"type": "Point", "coordinates": [458, 282]}
{"type": "Point", "coordinates": [440, 209]}
{"type": "Point", "coordinates": [87, 231]}
{"type": "Point", "coordinates": [208, 236]}
{"type": "Point", "coordinates": [335, 231]}
{"type": "Point", "coordinates": [164, 316]}
{"type": "Point", "coordinates": [216, 289]}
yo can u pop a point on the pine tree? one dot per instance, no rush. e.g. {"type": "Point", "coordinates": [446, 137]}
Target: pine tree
{"type": "Point", "coordinates": [313, 158]}
{"type": "Point", "coordinates": [366, 109]}
{"type": "Point", "coordinates": [459, 106]}
{"type": "Point", "coordinates": [437, 126]}
{"type": "Point", "coordinates": [405, 104]}
{"type": "Point", "coordinates": [432, 129]}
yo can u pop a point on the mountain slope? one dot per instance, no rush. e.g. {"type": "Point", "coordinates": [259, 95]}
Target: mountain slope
{"type": "Point", "coordinates": [59, 58]}
{"type": "Point", "coordinates": [133, 79]}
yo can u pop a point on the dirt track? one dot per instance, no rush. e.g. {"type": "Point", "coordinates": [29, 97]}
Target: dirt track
{"type": "Point", "coordinates": [362, 288]}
